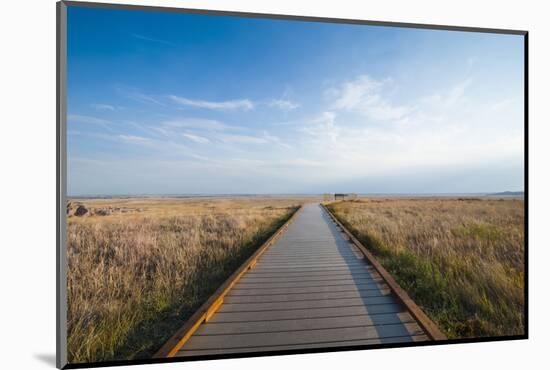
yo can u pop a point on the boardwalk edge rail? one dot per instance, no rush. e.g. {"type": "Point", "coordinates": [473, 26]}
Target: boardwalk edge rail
{"type": "Point", "coordinates": [431, 329]}
{"type": "Point", "coordinates": [205, 312]}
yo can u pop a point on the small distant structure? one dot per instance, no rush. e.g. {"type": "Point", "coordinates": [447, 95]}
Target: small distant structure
{"type": "Point", "coordinates": [327, 197]}
{"type": "Point", "coordinates": [344, 196]}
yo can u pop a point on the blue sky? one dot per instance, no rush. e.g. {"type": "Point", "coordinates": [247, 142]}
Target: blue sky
{"type": "Point", "coordinates": [163, 103]}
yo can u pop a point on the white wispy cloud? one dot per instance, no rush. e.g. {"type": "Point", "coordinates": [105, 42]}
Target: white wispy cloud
{"type": "Point", "coordinates": [134, 139]}
{"type": "Point", "coordinates": [297, 163]}
{"type": "Point", "coordinates": [365, 95]}
{"type": "Point", "coordinates": [152, 39]}
{"type": "Point", "coordinates": [196, 138]}
{"type": "Point", "coordinates": [194, 123]}
{"type": "Point", "coordinates": [244, 139]}
{"type": "Point", "coordinates": [240, 104]}
{"type": "Point", "coordinates": [205, 131]}
{"type": "Point", "coordinates": [436, 131]}
{"type": "Point", "coordinates": [103, 107]}
{"type": "Point", "coordinates": [199, 157]}
{"type": "Point", "coordinates": [137, 95]}
{"type": "Point", "coordinates": [144, 98]}
{"type": "Point", "coordinates": [283, 104]}
{"type": "Point", "coordinates": [322, 127]}
{"type": "Point", "coordinates": [162, 147]}
{"type": "Point", "coordinates": [274, 139]}
{"type": "Point", "coordinates": [451, 97]}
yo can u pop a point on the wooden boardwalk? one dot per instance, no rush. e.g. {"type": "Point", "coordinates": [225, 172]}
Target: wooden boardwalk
{"type": "Point", "coordinates": [311, 289]}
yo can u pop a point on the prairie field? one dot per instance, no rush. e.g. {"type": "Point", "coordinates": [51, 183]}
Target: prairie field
{"type": "Point", "coordinates": [461, 260]}
{"type": "Point", "coordinates": [138, 268]}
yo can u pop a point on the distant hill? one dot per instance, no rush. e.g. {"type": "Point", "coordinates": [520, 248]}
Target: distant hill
{"type": "Point", "coordinates": [509, 193]}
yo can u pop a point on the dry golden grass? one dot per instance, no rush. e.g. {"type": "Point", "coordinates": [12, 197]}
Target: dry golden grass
{"type": "Point", "coordinates": [461, 260]}
{"type": "Point", "coordinates": [134, 278]}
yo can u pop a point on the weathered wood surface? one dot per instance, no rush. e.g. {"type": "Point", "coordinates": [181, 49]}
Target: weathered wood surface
{"type": "Point", "coordinates": [311, 289]}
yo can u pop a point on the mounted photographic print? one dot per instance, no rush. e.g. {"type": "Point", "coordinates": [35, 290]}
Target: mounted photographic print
{"type": "Point", "coordinates": [235, 184]}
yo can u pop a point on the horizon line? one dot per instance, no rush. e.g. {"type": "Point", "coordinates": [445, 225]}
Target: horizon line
{"type": "Point", "coordinates": [481, 193]}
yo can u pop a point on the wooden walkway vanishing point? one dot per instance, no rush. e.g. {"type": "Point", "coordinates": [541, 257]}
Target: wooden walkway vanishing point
{"type": "Point", "coordinates": [312, 288]}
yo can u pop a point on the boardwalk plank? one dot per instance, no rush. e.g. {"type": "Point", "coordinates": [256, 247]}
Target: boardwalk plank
{"type": "Point", "coordinates": [305, 324]}
{"type": "Point", "coordinates": [335, 282]}
{"type": "Point", "coordinates": [334, 272]}
{"type": "Point", "coordinates": [316, 258]}
{"type": "Point", "coordinates": [305, 313]}
{"type": "Point", "coordinates": [304, 278]}
{"type": "Point", "coordinates": [319, 264]}
{"type": "Point", "coordinates": [305, 296]}
{"type": "Point", "coordinates": [300, 290]}
{"type": "Point", "coordinates": [294, 305]}
{"type": "Point", "coordinates": [328, 345]}
{"type": "Point", "coordinates": [261, 270]}
{"type": "Point", "coordinates": [297, 337]}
